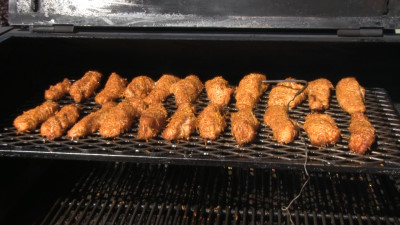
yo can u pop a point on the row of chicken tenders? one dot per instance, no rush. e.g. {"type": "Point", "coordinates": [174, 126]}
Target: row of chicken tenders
{"type": "Point", "coordinates": [142, 100]}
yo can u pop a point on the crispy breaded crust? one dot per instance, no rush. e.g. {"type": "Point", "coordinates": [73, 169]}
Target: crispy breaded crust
{"type": "Point", "coordinates": [350, 95]}
{"type": "Point", "coordinates": [218, 91]}
{"type": "Point", "coordinates": [321, 129]}
{"type": "Point", "coordinates": [152, 121]}
{"type": "Point", "coordinates": [284, 129]}
{"type": "Point", "coordinates": [139, 87]}
{"type": "Point", "coordinates": [56, 125]}
{"type": "Point", "coordinates": [284, 92]}
{"type": "Point", "coordinates": [56, 92]}
{"type": "Point", "coordinates": [182, 123]}
{"type": "Point", "coordinates": [85, 87]}
{"type": "Point", "coordinates": [161, 89]}
{"type": "Point", "coordinates": [319, 92]}
{"type": "Point", "coordinates": [186, 90]}
{"type": "Point", "coordinates": [113, 89]}
{"type": "Point", "coordinates": [244, 126]}
{"type": "Point", "coordinates": [30, 119]}
{"type": "Point", "coordinates": [362, 133]}
{"type": "Point", "coordinates": [211, 123]}
{"type": "Point", "coordinates": [249, 91]}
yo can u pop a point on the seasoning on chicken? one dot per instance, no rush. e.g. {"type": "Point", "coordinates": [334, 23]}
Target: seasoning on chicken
{"type": "Point", "coordinates": [120, 118]}
{"type": "Point", "coordinates": [249, 91]}
{"type": "Point", "coordinates": [56, 125]}
{"type": "Point", "coordinates": [85, 87]}
{"type": "Point", "coordinates": [244, 126]}
{"type": "Point", "coordinates": [284, 92]}
{"type": "Point", "coordinates": [211, 123]}
{"type": "Point", "coordinates": [350, 95]}
{"type": "Point", "coordinates": [90, 123]}
{"type": "Point", "coordinates": [186, 90]}
{"type": "Point", "coordinates": [321, 129]}
{"type": "Point", "coordinates": [182, 123]}
{"type": "Point", "coordinates": [56, 92]}
{"type": "Point", "coordinates": [218, 91]}
{"type": "Point", "coordinates": [113, 89]}
{"type": "Point", "coordinates": [152, 121]}
{"type": "Point", "coordinates": [284, 129]}
{"type": "Point", "coordinates": [30, 119]}
{"type": "Point", "coordinates": [362, 133]}
{"type": "Point", "coordinates": [139, 87]}
{"type": "Point", "coordinates": [319, 91]}
{"type": "Point", "coordinates": [161, 89]}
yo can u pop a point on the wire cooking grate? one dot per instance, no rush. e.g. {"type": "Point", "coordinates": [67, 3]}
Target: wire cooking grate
{"type": "Point", "coordinates": [262, 153]}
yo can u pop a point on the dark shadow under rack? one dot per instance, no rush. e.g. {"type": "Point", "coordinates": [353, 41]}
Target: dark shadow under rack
{"type": "Point", "coordinates": [262, 153]}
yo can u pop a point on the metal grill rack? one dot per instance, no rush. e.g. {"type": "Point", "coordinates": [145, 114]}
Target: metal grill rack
{"type": "Point", "coordinates": [262, 153]}
{"type": "Point", "coordinates": [157, 194]}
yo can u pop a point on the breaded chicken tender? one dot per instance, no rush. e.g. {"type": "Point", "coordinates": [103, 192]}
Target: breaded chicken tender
{"type": "Point", "coordinates": [350, 95]}
{"type": "Point", "coordinates": [58, 91]}
{"type": "Point", "coordinates": [218, 91]}
{"type": "Point", "coordinates": [90, 123]}
{"type": "Point", "coordinates": [161, 89]}
{"type": "Point", "coordinates": [284, 92]}
{"type": "Point", "coordinates": [113, 89]}
{"type": "Point", "coordinates": [249, 91]}
{"type": "Point", "coordinates": [139, 87]}
{"type": "Point", "coordinates": [152, 121]}
{"type": "Point", "coordinates": [86, 86]}
{"type": "Point", "coordinates": [362, 133]}
{"type": "Point", "coordinates": [244, 126]}
{"type": "Point", "coordinates": [284, 129]}
{"type": "Point", "coordinates": [56, 125]}
{"type": "Point", "coordinates": [182, 123]}
{"type": "Point", "coordinates": [30, 119]}
{"type": "Point", "coordinates": [186, 90]}
{"type": "Point", "coordinates": [319, 92]}
{"type": "Point", "coordinates": [321, 129]}
{"type": "Point", "coordinates": [211, 123]}
{"type": "Point", "coordinates": [120, 118]}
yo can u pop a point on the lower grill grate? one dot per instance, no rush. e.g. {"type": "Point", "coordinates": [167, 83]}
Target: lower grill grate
{"type": "Point", "coordinates": [136, 194]}
{"type": "Point", "coordinates": [263, 153]}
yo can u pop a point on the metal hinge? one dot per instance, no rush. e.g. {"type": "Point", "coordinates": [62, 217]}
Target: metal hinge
{"type": "Point", "coordinates": [363, 32]}
{"type": "Point", "coordinates": [52, 29]}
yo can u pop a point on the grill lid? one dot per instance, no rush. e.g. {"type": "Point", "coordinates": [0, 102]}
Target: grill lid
{"type": "Point", "coordinates": [288, 14]}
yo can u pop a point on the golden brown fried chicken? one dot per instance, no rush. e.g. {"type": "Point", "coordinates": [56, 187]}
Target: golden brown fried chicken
{"type": "Point", "coordinates": [244, 126]}
{"type": "Point", "coordinates": [56, 92]}
{"type": "Point", "coordinates": [319, 91]}
{"type": "Point", "coordinates": [284, 92]}
{"type": "Point", "coordinates": [120, 118]}
{"type": "Point", "coordinates": [249, 91]}
{"type": "Point", "coordinates": [56, 125]}
{"type": "Point", "coordinates": [30, 119]}
{"type": "Point", "coordinates": [321, 129]}
{"type": "Point", "coordinates": [186, 90]}
{"type": "Point", "coordinates": [284, 129]}
{"type": "Point", "coordinates": [139, 87]}
{"type": "Point", "coordinates": [90, 123]}
{"type": "Point", "coordinates": [161, 89]}
{"type": "Point", "coordinates": [211, 123]}
{"type": "Point", "coordinates": [85, 87]}
{"type": "Point", "coordinates": [350, 95]}
{"type": "Point", "coordinates": [218, 91]}
{"type": "Point", "coordinates": [152, 121]}
{"type": "Point", "coordinates": [113, 89]}
{"type": "Point", "coordinates": [182, 123]}
{"type": "Point", "coordinates": [362, 133]}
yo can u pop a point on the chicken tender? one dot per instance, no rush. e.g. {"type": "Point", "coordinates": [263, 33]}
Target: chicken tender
{"type": "Point", "coordinates": [218, 91]}
{"type": "Point", "coordinates": [211, 123]}
{"type": "Point", "coordinates": [284, 92]}
{"type": "Point", "coordinates": [249, 91]}
{"type": "Point", "coordinates": [139, 87]}
{"type": "Point", "coordinates": [319, 92]}
{"type": "Point", "coordinates": [161, 90]}
{"type": "Point", "coordinates": [284, 129]}
{"type": "Point", "coordinates": [30, 119]}
{"type": "Point", "coordinates": [244, 126]}
{"type": "Point", "coordinates": [321, 129]}
{"type": "Point", "coordinates": [113, 89]}
{"type": "Point", "coordinates": [186, 90]}
{"type": "Point", "coordinates": [350, 95]}
{"type": "Point", "coordinates": [56, 125]}
{"type": "Point", "coordinates": [152, 121]}
{"type": "Point", "coordinates": [58, 91]}
{"type": "Point", "coordinates": [120, 118]}
{"type": "Point", "coordinates": [90, 123]}
{"type": "Point", "coordinates": [362, 133]}
{"type": "Point", "coordinates": [86, 86]}
{"type": "Point", "coordinates": [182, 123]}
